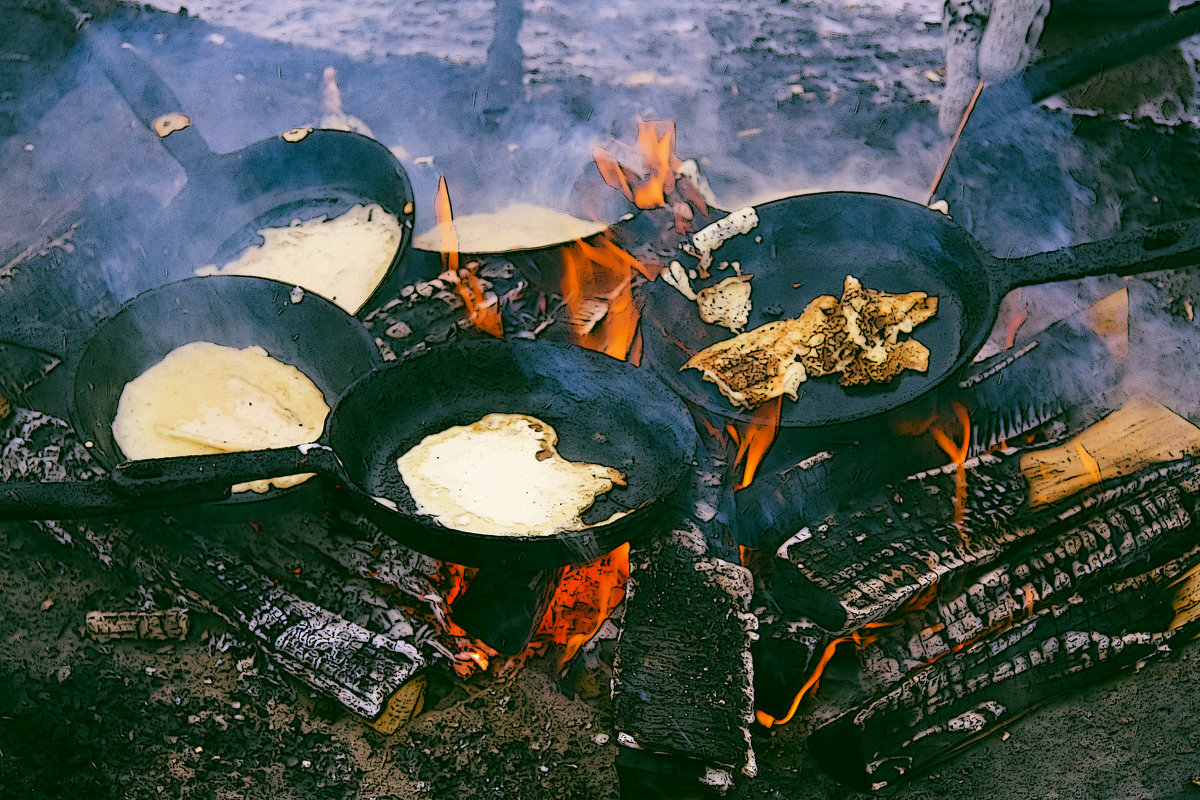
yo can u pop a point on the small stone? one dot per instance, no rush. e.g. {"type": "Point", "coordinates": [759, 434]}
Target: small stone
{"type": "Point", "coordinates": [543, 769]}
{"type": "Point", "coordinates": [600, 738]}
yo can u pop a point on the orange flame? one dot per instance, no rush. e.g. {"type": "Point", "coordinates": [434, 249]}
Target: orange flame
{"type": "Point", "coordinates": [483, 310]}
{"type": "Point", "coordinates": [958, 454]}
{"type": "Point", "coordinates": [596, 286]}
{"type": "Point", "coordinates": [754, 438]}
{"type": "Point", "coordinates": [585, 598]}
{"type": "Point", "coordinates": [646, 185]}
{"type": "Point", "coordinates": [859, 638]}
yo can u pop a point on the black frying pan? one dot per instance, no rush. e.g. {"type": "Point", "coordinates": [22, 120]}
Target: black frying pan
{"type": "Point", "coordinates": [229, 197]}
{"type": "Point", "coordinates": [605, 411]}
{"type": "Point", "coordinates": [317, 337]}
{"type": "Point", "coordinates": [810, 243]}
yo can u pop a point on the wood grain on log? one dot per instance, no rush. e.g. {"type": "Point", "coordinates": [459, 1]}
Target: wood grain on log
{"type": "Point", "coordinates": [954, 700]}
{"type": "Point", "coordinates": [863, 563]}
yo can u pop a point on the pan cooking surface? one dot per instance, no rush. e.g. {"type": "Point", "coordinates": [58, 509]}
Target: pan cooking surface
{"type": "Point", "coordinates": [809, 244]}
{"type": "Point", "coordinates": [604, 411]}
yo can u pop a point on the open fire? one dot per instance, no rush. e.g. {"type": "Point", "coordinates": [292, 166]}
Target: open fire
{"type": "Point", "coordinates": [869, 595]}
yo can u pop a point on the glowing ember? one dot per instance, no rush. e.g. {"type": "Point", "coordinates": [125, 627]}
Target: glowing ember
{"type": "Point", "coordinates": [585, 598]}
{"type": "Point", "coordinates": [482, 309]}
{"type": "Point", "coordinates": [754, 438]}
{"type": "Point", "coordinates": [596, 286]}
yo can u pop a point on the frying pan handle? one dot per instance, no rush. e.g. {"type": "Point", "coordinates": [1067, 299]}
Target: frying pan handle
{"type": "Point", "coordinates": [1175, 244]}
{"type": "Point", "coordinates": [215, 474]}
{"type": "Point", "coordinates": [40, 336]}
{"type": "Point", "coordinates": [74, 499]}
{"type": "Point", "coordinates": [150, 99]}
{"type": "Point", "coordinates": [63, 500]}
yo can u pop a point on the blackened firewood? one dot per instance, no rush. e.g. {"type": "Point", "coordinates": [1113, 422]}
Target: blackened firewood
{"type": "Point", "coordinates": [682, 673]}
{"type": "Point", "coordinates": [968, 693]}
{"type": "Point", "coordinates": [1140, 533]}
{"type": "Point", "coordinates": [862, 564]}
{"type": "Point", "coordinates": [359, 669]}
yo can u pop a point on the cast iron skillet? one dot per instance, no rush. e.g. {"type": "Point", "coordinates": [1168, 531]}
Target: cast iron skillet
{"type": "Point", "coordinates": [229, 197]}
{"type": "Point", "coordinates": [317, 337]}
{"type": "Point", "coordinates": [805, 246]}
{"type": "Point", "coordinates": [604, 411]}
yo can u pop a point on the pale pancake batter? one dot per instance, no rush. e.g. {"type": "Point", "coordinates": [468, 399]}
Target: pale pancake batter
{"type": "Point", "coordinates": [502, 476]}
{"type": "Point", "coordinates": [205, 398]}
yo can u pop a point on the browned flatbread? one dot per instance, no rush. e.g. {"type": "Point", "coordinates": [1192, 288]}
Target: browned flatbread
{"type": "Point", "coordinates": [857, 337]}
{"type": "Point", "coordinates": [753, 367]}
{"type": "Point", "coordinates": [875, 320]}
{"type": "Point", "coordinates": [908, 354]}
{"type": "Point", "coordinates": [820, 337]}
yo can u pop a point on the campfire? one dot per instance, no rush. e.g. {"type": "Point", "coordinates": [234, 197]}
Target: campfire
{"type": "Point", "coordinates": [852, 559]}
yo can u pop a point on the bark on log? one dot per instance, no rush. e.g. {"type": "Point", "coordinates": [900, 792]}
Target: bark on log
{"type": "Point", "coordinates": [978, 689]}
{"type": "Point", "coordinates": [863, 564]}
{"type": "Point", "coordinates": [682, 674]}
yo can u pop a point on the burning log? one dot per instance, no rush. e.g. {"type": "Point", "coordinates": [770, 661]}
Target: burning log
{"type": "Point", "coordinates": [682, 674]}
{"type": "Point", "coordinates": [862, 564]}
{"type": "Point", "coordinates": [956, 699]}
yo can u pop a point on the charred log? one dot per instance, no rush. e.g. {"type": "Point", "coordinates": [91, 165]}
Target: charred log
{"type": "Point", "coordinates": [979, 689]}
{"type": "Point", "coordinates": [359, 669]}
{"type": "Point", "coordinates": [863, 564]}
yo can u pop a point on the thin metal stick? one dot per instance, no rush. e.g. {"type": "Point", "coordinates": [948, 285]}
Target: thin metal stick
{"type": "Point", "coordinates": [954, 142]}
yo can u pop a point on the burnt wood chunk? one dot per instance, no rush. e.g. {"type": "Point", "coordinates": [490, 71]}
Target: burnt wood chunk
{"type": "Point", "coordinates": [682, 673]}
{"type": "Point", "coordinates": [1144, 532]}
{"type": "Point", "coordinates": [864, 563]}
{"type": "Point", "coordinates": [358, 668]}
{"type": "Point", "coordinates": [955, 699]}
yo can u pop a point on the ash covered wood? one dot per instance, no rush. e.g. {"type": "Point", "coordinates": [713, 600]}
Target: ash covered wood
{"type": "Point", "coordinates": [682, 678]}
{"type": "Point", "coordinates": [864, 563]}
{"type": "Point", "coordinates": [360, 669]}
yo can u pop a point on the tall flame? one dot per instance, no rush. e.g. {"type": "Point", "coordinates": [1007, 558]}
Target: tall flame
{"type": "Point", "coordinates": [482, 309]}
{"type": "Point", "coordinates": [645, 185]}
{"type": "Point", "coordinates": [596, 286]}
{"type": "Point", "coordinates": [861, 638]}
{"type": "Point", "coordinates": [958, 454]}
{"type": "Point", "coordinates": [586, 597]}
{"type": "Point", "coordinates": [754, 438]}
